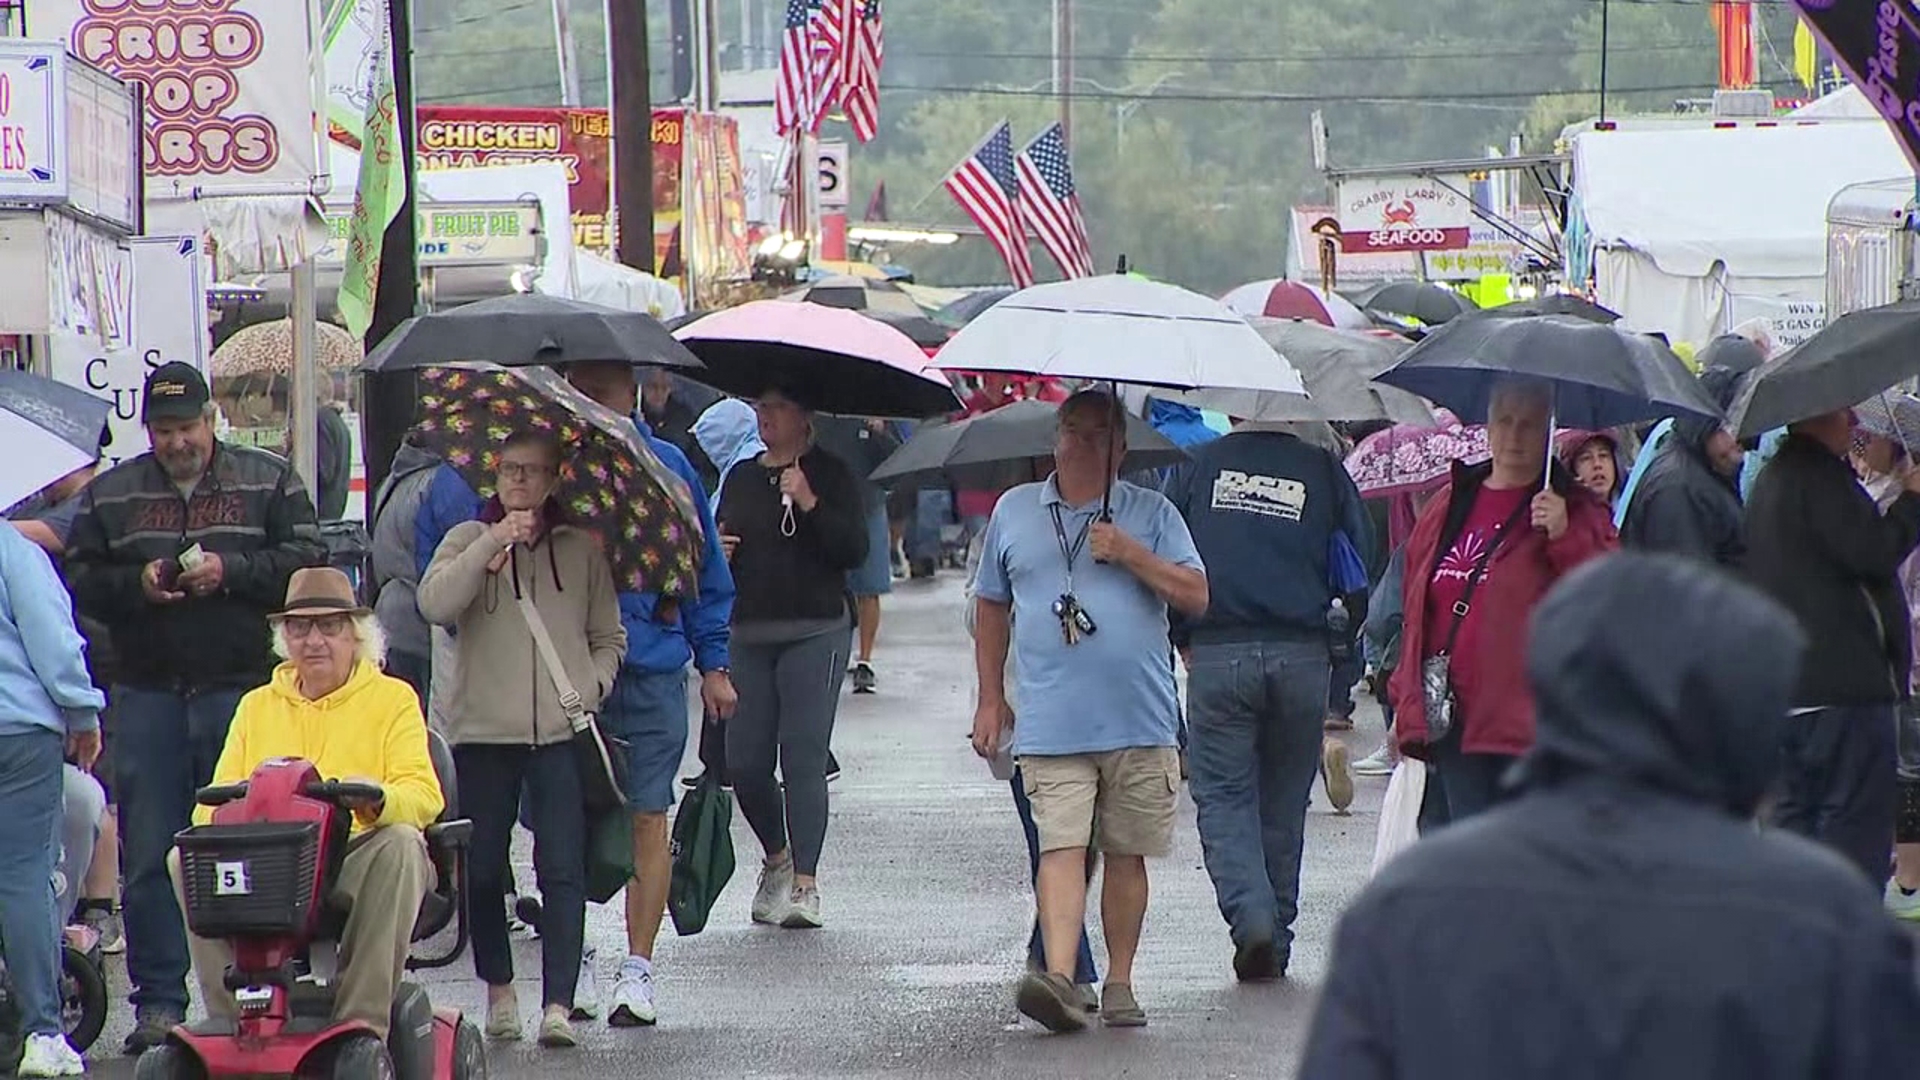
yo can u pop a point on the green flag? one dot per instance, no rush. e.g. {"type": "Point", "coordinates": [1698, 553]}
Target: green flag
{"type": "Point", "coordinates": [382, 182]}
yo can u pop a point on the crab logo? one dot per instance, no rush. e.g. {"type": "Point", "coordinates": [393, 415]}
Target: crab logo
{"type": "Point", "coordinates": [1400, 214]}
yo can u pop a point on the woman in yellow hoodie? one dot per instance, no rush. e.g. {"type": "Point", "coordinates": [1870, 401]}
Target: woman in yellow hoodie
{"type": "Point", "coordinates": [330, 703]}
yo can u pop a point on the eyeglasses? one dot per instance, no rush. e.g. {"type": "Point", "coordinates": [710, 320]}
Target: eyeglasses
{"type": "Point", "coordinates": [514, 470]}
{"type": "Point", "coordinates": [332, 626]}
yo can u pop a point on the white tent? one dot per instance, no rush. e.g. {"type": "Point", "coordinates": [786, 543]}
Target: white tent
{"type": "Point", "coordinates": [1846, 103]}
{"type": "Point", "coordinates": [603, 281]}
{"type": "Point", "coordinates": [1693, 232]}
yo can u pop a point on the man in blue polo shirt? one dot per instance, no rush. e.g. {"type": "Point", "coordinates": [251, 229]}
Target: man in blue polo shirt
{"type": "Point", "coordinates": [1081, 603]}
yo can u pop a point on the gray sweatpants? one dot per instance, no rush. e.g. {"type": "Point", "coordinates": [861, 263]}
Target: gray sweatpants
{"type": "Point", "coordinates": [789, 692]}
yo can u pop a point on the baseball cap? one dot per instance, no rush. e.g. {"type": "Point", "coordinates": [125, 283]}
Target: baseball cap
{"type": "Point", "coordinates": [175, 391]}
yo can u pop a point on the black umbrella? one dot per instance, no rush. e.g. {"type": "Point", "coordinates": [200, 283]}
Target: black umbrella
{"type": "Point", "coordinates": [967, 308]}
{"type": "Point", "coordinates": [1853, 358]}
{"type": "Point", "coordinates": [1431, 304]}
{"type": "Point", "coordinates": [1557, 304]}
{"type": "Point", "coordinates": [997, 449]}
{"type": "Point", "coordinates": [924, 331]}
{"type": "Point", "coordinates": [1602, 377]}
{"type": "Point", "coordinates": [529, 330]}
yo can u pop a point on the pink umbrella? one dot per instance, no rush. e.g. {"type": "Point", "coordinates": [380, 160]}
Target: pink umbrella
{"type": "Point", "coordinates": [831, 359]}
{"type": "Point", "coordinates": [1409, 460]}
{"type": "Point", "coordinates": [1277, 298]}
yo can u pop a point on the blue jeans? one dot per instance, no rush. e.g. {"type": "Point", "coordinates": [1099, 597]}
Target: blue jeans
{"type": "Point", "coordinates": [30, 782]}
{"type": "Point", "coordinates": [1254, 710]}
{"type": "Point", "coordinates": [1340, 684]}
{"type": "Point", "coordinates": [1084, 973]}
{"type": "Point", "coordinates": [169, 744]}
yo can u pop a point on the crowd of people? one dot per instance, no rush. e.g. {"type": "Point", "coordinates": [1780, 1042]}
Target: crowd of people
{"type": "Point", "coordinates": [1596, 729]}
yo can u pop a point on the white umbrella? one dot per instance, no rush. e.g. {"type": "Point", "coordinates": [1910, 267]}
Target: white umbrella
{"type": "Point", "coordinates": [34, 456]}
{"type": "Point", "coordinates": [1124, 329]}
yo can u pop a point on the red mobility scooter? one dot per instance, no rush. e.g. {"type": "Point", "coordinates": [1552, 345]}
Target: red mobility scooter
{"type": "Point", "coordinates": [260, 876]}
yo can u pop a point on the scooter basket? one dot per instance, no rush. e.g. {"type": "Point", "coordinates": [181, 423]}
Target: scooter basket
{"type": "Point", "coordinates": [250, 880]}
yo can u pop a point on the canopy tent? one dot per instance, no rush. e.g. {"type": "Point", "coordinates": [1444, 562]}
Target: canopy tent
{"type": "Point", "coordinates": [1691, 232]}
{"type": "Point", "coordinates": [603, 281]}
{"type": "Point", "coordinates": [1846, 103]}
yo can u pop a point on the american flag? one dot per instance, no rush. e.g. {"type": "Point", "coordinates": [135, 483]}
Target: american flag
{"type": "Point", "coordinates": [1050, 205]}
{"type": "Point", "coordinates": [860, 68]}
{"type": "Point", "coordinates": [804, 92]}
{"type": "Point", "coordinates": [985, 187]}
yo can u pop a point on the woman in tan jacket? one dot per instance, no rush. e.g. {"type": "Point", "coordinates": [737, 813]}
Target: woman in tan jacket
{"type": "Point", "coordinates": [507, 727]}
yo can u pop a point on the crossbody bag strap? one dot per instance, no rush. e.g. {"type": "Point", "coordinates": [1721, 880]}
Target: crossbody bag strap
{"type": "Point", "coordinates": [1464, 604]}
{"type": "Point", "coordinates": [570, 700]}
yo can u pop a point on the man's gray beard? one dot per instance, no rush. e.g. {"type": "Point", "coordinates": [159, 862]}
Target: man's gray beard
{"type": "Point", "coordinates": [184, 468]}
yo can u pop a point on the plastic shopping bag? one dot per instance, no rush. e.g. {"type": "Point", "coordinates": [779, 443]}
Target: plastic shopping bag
{"type": "Point", "coordinates": [1400, 813]}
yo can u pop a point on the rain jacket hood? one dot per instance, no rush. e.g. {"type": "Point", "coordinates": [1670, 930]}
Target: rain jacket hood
{"type": "Point", "coordinates": [1660, 672]}
{"type": "Point", "coordinates": [1182, 424]}
{"type": "Point", "coordinates": [728, 433]}
{"type": "Point", "coordinates": [1722, 384]}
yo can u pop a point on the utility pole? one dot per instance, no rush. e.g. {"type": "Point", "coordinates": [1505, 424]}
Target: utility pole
{"type": "Point", "coordinates": [632, 98]}
{"type": "Point", "coordinates": [1063, 64]}
{"type": "Point", "coordinates": [388, 400]}
{"type": "Point", "coordinates": [1605, 6]}
{"type": "Point", "coordinates": [568, 57]}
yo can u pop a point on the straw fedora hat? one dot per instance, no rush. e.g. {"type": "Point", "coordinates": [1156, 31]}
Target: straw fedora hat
{"type": "Point", "coordinates": [320, 590]}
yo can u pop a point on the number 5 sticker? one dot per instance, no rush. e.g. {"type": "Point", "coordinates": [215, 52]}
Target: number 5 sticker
{"type": "Point", "coordinates": [230, 879]}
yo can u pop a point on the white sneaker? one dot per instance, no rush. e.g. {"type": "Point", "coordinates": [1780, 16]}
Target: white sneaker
{"type": "Point", "coordinates": [770, 898]}
{"type": "Point", "coordinates": [1902, 904]}
{"type": "Point", "coordinates": [633, 996]}
{"type": "Point", "coordinates": [50, 1055]}
{"type": "Point", "coordinates": [803, 908]}
{"type": "Point", "coordinates": [1378, 763]}
{"type": "Point", "coordinates": [586, 991]}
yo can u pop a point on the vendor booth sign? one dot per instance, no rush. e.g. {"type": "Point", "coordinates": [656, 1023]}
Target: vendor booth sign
{"type": "Point", "coordinates": [167, 297]}
{"type": "Point", "coordinates": [460, 234]}
{"type": "Point", "coordinates": [230, 84]}
{"type": "Point", "coordinates": [1405, 213]}
{"type": "Point", "coordinates": [68, 135]}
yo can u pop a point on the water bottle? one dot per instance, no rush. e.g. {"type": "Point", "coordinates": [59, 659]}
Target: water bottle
{"type": "Point", "coordinates": [1339, 630]}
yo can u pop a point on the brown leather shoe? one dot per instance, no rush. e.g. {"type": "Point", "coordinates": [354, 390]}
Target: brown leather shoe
{"type": "Point", "coordinates": [1051, 1001]}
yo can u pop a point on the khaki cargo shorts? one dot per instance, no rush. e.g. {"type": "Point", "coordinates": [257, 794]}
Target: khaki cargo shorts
{"type": "Point", "coordinates": [1120, 801]}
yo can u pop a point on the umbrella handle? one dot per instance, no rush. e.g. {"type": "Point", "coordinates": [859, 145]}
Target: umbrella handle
{"type": "Point", "coordinates": [1546, 475]}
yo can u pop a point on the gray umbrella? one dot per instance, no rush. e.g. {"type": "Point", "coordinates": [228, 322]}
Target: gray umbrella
{"type": "Point", "coordinates": [1338, 367]}
{"type": "Point", "coordinates": [1851, 359]}
{"type": "Point", "coordinates": [997, 449]}
{"type": "Point", "coordinates": [529, 330]}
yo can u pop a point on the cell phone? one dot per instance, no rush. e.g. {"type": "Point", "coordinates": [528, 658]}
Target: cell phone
{"type": "Point", "coordinates": [191, 558]}
{"type": "Point", "coordinates": [167, 576]}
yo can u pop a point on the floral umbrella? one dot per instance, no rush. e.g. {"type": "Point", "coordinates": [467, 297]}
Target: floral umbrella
{"type": "Point", "coordinates": [610, 482]}
{"type": "Point", "coordinates": [1405, 459]}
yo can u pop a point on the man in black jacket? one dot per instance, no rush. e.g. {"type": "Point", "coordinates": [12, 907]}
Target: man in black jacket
{"type": "Point", "coordinates": [1818, 544]}
{"type": "Point", "coordinates": [181, 552]}
{"type": "Point", "coordinates": [1688, 503]}
{"type": "Point", "coordinates": [1622, 918]}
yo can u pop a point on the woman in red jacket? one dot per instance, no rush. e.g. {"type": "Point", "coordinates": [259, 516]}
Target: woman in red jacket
{"type": "Point", "coordinates": [1481, 556]}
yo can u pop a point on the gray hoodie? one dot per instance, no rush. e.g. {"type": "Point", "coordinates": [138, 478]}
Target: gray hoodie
{"type": "Point", "coordinates": [396, 576]}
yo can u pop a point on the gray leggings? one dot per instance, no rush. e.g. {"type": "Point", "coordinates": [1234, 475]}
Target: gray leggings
{"type": "Point", "coordinates": [789, 692]}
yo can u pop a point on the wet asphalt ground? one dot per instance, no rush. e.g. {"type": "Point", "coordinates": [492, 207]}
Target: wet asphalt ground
{"type": "Point", "coordinates": [927, 913]}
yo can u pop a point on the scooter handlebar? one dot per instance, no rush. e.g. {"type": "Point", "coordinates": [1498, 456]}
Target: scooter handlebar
{"type": "Point", "coordinates": [221, 794]}
{"type": "Point", "coordinates": [336, 791]}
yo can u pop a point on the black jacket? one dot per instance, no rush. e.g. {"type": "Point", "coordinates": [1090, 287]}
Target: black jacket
{"type": "Point", "coordinates": [249, 509]}
{"type": "Point", "coordinates": [674, 424]}
{"type": "Point", "coordinates": [1622, 917]}
{"type": "Point", "coordinates": [779, 577]}
{"type": "Point", "coordinates": [1683, 506]}
{"type": "Point", "coordinates": [1817, 543]}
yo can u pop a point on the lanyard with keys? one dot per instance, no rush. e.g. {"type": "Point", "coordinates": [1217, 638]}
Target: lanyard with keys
{"type": "Point", "coordinates": [1075, 623]}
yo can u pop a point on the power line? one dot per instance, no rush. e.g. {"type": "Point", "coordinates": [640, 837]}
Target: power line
{"type": "Point", "coordinates": [1541, 49]}
{"type": "Point", "coordinates": [469, 20]}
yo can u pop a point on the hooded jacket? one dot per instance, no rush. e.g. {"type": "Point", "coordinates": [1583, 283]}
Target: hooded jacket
{"type": "Point", "coordinates": [1684, 505]}
{"type": "Point", "coordinates": [729, 434]}
{"type": "Point", "coordinates": [1817, 543]}
{"type": "Point", "coordinates": [396, 572]}
{"type": "Point", "coordinates": [1496, 709]}
{"type": "Point", "coordinates": [1622, 917]}
{"type": "Point", "coordinates": [369, 728]}
{"type": "Point", "coordinates": [502, 692]}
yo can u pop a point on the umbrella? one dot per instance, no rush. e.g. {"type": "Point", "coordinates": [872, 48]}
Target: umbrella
{"type": "Point", "coordinates": [1431, 304]}
{"type": "Point", "coordinates": [968, 308]}
{"type": "Point", "coordinates": [1337, 365]}
{"type": "Point", "coordinates": [996, 449]}
{"type": "Point", "coordinates": [1123, 329]}
{"type": "Point", "coordinates": [529, 330]}
{"type": "Point", "coordinates": [267, 348]}
{"type": "Point", "coordinates": [1277, 298]}
{"type": "Point", "coordinates": [47, 430]}
{"type": "Point", "coordinates": [1890, 416]}
{"type": "Point", "coordinates": [1601, 377]}
{"type": "Point", "coordinates": [858, 294]}
{"type": "Point", "coordinates": [835, 360]}
{"type": "Point", "coordinates": [1851, 359]}
{"type": "Point", "coordinates": [920, 329]}
{"type": "Point", "coordinates": [1558, 304]}
{"type": "Point", "coordinates": [610, 481]}
{"type": "Point", "coordinates": [1407, 460]}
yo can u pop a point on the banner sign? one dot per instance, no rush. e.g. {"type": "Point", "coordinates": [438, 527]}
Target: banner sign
{"type": "Point", "coordinates": [229, 84]}
{"type": "Point", "coordinates": [1789, 321]}
{"type": "Point", "coordinates": [1878, 45]}
{"type": "Point", "coordinates": [166, 297]}
{"type": "Point", "coordinates": [67, 134]}
{"type": "Point", "coordinates": [458, 234]}
{"type": "Point", "coordinates": [1405, 213]}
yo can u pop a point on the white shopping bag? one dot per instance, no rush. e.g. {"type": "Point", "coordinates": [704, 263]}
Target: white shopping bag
{"type": "Point", "coordinates": [1400, 813]}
